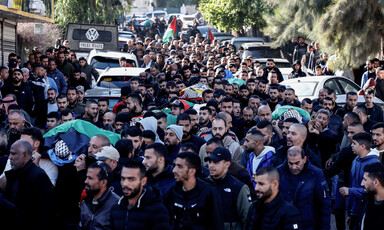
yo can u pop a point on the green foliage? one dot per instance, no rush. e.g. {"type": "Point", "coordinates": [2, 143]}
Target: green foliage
{"type": "Point", "coordinates": [350, 29]}
{"type": "Point", "coordinates": [88, 11]}
{"type": "Point", "coordinates": [234, 14]}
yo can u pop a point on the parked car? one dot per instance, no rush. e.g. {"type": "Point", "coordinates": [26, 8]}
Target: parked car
{"type": "Point", "coordinates": [187, 21]}
{"type": "Point", "coordinates": [222, 36]}
{"type": "Point", "coordinates": [124, 36]}
{"type": "Point", "coordinates": [309, 87]}
{"type": "Point", "coordinates": [157, 13]}
{"type": "Point", "coordinates": [101, 60]}
{"type": "Point", "coordinates": [261, 50]}
{"type": "Point", "coordinates": [281, 63]}
{"type": "Point", "coordinates": [117, 77]}
{"type": "Point", "coordinates": [238, 41]}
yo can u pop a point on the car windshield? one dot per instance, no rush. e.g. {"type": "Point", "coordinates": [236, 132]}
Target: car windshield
{"type": "Point", "coordinates": [114, 81]}
{"type": "Point", "coordinates": [104, 62]}
{"type": "Point", "coordinates": [279, 64]}
{"type": "Point", "coordinates": [112, 101]}
{"type": "Point", "coordinates": [124, 35]}
{"type": "Point", "coordinates": [262, 52]}
{"type": "Point", "coordinates": [302, 88]}
{"type": "Point", "coordinates": [188, 18]}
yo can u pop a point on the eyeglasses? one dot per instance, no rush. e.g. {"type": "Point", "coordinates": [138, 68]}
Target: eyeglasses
{"type": "Point", "coordinates": [102, 165]}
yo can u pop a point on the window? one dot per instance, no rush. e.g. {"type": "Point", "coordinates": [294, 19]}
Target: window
{"type": "Point", "coordinates": [348, 86]}
{"type": "Point", "coordinates": [332, 84]}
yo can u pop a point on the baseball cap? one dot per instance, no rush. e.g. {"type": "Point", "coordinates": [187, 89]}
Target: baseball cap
{"type": "Point", "coordinates": [219, 154]}
{"type": "Point", "coordinates": [107, 152]}
{"type": "Point", "coordinates": [194, 70]}
{"type": "Point", "coordinates": [177, 103]}
{"type": "Point", "coordinates": [80, 88]}
{"type": "Point", "coordinates": [281, 88]}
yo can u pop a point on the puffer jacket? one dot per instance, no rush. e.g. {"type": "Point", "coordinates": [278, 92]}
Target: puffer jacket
{"type": "Point", "coordinates": [97, 217]}
{"type": "Point", "coordinates": [309, 193]}
{"type": "Point", "coordinates": [148, 213]}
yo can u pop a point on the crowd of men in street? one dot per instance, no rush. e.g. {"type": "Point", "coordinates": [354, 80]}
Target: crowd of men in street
{"type": "Point", "coordinates": [243, 156]}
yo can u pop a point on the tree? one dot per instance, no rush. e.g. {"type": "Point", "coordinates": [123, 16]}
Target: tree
{"type": "Point", "coordinates": [90, 11]}
{"type": "Point", "coordinates": [25, 31]}
{"type": "Point", "coordinates": [350, 29]}
{"type": "Point", "coordinates": [233, 14]}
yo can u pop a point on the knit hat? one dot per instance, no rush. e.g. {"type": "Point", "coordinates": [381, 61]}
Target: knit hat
{"type": "Point", "coordinates": [178, 130]}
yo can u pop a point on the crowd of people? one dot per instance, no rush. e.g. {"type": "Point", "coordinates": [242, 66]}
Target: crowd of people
{"type": "Point", "coordinates": [244, 154]}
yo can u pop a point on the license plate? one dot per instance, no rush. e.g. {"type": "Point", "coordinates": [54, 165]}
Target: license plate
{"type": "Point", "coordinates": [86, 45]}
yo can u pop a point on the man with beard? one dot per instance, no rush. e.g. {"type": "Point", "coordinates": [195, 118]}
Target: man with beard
{"type": "Point", "coordinates": [29, 188]}
{"type": "Point", "coordinates": [307, 105]}
{"type": "Point", "coordinates": [134, 134]}
{"type": "Point", "coordinates": [273, 99]}
{"type": "Point", "coordinates": [140, 207]}
{"type": "Point", "coordinates": [205, 117]}
{"type": "Point", "coordinates": [271, 67]}
{"type": "Point", "coordinates": [321, 137]}
{"type": "Point", "coordinates": [354, 192]}
{"type": "Point", "coordinates": [370, 73]}
{"type": "Point", "coordinates": [22, 91]}
{"type": "Point", "coordinates": [364, 118]}
{"type": "Point", "coordinates": [100, 197]}
{"type": "Point", "coordinates": [91, 111]}
{"type": "Point", "coordinates": [76, 107]}
{"type": "Point", "coordinates": [134, 104]}
{"type": "Point", "coordinates": [378, 139]}
{"type": "Point", "coordinates": [259, 155]}
{"type": "Point", "coordinates": [64, 66]}
{"type": "Point", "coordinates": [194, 120]}
{"type": "Point", "coordinates": [286, 125]}
{"type": "Point", "coordinates": [304, 186]}
{"type": "Point", "coordinates": [51, 101]}
{"type": "Point", "coordinates": [335, 121]}
{"type": "Point", "coordinates": [193, 203]}
{"type": "Point", "coordinates": [270, 210]}
{"type": "Point", "coordinates": [351, 101]}
{"type": "Point", "coordinates": [373, 183]}
{"type": "Point", "coordinates": [289, 98]}
{"type": "Point", "coordinates": [159, 173]}
{"type": "Point", "coordinates": [375, 112]}
{"type": "Point", "coordinates": [220, 130]}
{"type": "Point", "coordinates": [62, 103]}
{"type": "Point", "coordinates": [57, 76]}
{"type": "Point", "coordinates": [207, 95]}
{"type": "Point", "coordinates": [234, 195]}
{"type": "Point", "coordinates": [16, 122]}
{"type": "Point", "coordinates": [248, 116]}
{"type": "Point", "coordinates": [185, 121]}
{"type": "Point", "coordinates": [172, 140]}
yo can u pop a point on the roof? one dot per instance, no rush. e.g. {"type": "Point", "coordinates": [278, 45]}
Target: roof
{"type": "Point", "coordinates": [121, 71]}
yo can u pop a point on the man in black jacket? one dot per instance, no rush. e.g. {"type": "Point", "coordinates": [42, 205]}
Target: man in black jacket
{"type": "Point", "coordinates": [29, 188]}
{"type": "Point", "coordinates": [193, 203]}
{"type": "Point", "coordinates": [270, 210]}
{"type": "Point", "coordinates": [140, 207]}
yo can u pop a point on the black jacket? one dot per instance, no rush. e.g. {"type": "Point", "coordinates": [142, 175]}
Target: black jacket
{"type": "Point", "coordinates": [23, 94]}
{"type": "Point", "coordinates": [148, 213]}
{"type": "Point", "coordinates": [278, 214]}
{"type": "Point", "coordinates": [30, 190]}
{"type": "Point", "coordinates": [163, 182]}
{"type": "Point", "coordinates": [197, 209]}
{"type": "Point", "coordinates": [375, 113]}
{"type": "Point", "coordinates": [343, 164]}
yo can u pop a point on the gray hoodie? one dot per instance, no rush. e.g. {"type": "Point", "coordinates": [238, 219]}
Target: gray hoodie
{"type": "Point", "coordinates": [150, 123]}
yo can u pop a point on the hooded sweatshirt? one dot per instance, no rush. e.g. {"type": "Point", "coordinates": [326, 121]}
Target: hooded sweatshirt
{"type": "Point", "coordinates": [150, 123]}
{"type": "Point", "coordinates": [262, 160]}
{"type": "Point", "coordinates": [356, 191]}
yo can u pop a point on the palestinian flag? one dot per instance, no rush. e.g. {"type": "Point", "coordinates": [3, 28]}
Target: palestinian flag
{"type": "Point", "coordinates": [171, 31]}
{"type": "Point", "coordinates": [210, 35]}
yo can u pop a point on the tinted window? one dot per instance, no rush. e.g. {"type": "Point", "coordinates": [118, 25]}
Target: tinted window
{"type": "Point", "coordinates": [262, 52]}
{"type": "Point", "coordinates": [333, 85]}
{"type": "Point", "coordinates": [302, 88]}
{"type": "Point", "coordinates": [103, 63]}
{"type": "Point", "coordinates": [114, 81]}
{"type": "Point", "coordinates": [348, 86]}
{"type": "Point", "coordinates": [104, 36]}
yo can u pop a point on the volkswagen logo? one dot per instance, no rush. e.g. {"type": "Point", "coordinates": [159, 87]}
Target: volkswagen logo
{"type": "Point", "coordinates": [92, 34]}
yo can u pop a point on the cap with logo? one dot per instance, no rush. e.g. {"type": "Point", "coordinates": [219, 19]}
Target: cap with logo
{"type": "Point", "coordinates": [219, 154]}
